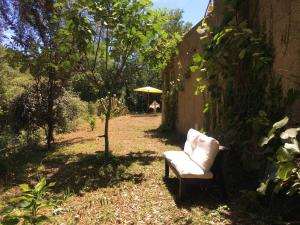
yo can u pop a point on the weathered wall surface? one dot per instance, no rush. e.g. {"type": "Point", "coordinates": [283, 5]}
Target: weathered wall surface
{"type": "Point", "coordinates": [279, 20]}
{"type": "Point", "coordinates": [189, 109]}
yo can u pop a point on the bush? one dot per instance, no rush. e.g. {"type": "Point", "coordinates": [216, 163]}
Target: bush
{"type": "Point", "coordinates": [29, 138]}
{"type": "Point", "coordinates": [28, 206]}
{"type": "Point", "coordinates": [29, 110]}
{"type": "Point", "coordinates": [92, 122]}
{"type": "Point", "coordinates": [92, 108]}
{"type": "Point", "coordinates": [69, 110]}
{"type": "Point", "coordinates": [284, 156]}
{"type": "Point", "coordinates": [118, 107]}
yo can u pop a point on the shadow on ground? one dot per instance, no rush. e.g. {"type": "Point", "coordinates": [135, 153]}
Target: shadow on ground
{"type": "Point", "coordinates": [168, 138]}
{"type": "Point", "coordinates": [211, 201]}
{"type": "Point", "coordinates": [91, 171]}
{"type": "Point", "coordinates": [76, 172]}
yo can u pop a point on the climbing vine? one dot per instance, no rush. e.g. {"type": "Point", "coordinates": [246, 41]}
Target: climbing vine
{"type": "Point", "coordinates": [244, 96]}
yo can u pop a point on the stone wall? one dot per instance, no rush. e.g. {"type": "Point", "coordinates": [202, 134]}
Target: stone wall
{"type": "Point", "coordinates": [279, 20]}
{"type": "Point", "coordinates": [189, 107]}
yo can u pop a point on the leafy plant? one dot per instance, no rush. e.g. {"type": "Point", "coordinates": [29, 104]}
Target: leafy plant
{"type": "Point", "coordinates": [285, 160]}
{"type": "Point", "coordinates": [118, 107]}
{"type": "Point", "coordinates": [92, 122]}
{"type": "Point", "coordinates": [27, 207]}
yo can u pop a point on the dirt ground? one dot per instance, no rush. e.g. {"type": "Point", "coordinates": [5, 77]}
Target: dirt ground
{"type": "Point", "coordinates": [129, 189]}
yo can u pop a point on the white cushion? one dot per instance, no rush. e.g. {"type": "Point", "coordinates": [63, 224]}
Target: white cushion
{"type": "Point", "coordinates": [205, 152]}
{"type": "Point", "coordinates": [187, 168]}
{"type": "Point", "coordinates": [191, 141]}
{"type": "Point", "coordinates": [175, 155]}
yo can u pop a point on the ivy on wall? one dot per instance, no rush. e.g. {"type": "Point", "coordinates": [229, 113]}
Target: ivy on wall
{"type": "Point", "coordinates": [244, 95]}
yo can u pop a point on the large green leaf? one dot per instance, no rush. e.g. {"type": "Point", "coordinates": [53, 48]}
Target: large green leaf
{"type": "Point", "coordinates": [263, 187]}
{"type": "Point", "coordinates": [25, 204]}
{"type": "Point", "coordinates": [292, 146]}
{"type": "Point", "coordinates": [266, 140]}
{"type": "Point", "coordinates": [41, 219]}
{"type": "Point", "coordinates": [289, 133]}
{"type": "Point", "coordinates": [197, 58]}
{"type": "Point", "coordinates": [40, 185]}
{"type": "Point", "coordinates": [11, 221]}
{"type": "Point", "coordinates": [7, 210]}
{"type": "Point", "coordinates": [281, 123]}
{"type": "Point", "coordinates": [25, 187]}
{"type": "Point", "coordinates": [284, 171]}
{"type": "Point", "coordinates": [283, 155]}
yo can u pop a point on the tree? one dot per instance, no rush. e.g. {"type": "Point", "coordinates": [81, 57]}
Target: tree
{"type": "Point", "coordinates": [42, 45]}
{"type": "Point", "coordinates": [175, 23]}
{"type": "Point", "coordinates": [121, 33]}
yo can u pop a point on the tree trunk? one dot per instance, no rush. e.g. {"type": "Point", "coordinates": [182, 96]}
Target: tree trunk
{"type": "Point", "coordinates": [50, 122]}
{"type": "Point", "coordinates": [107, 118]}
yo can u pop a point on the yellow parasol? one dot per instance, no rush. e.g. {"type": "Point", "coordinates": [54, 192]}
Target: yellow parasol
{"type": "Point", "coordinates": [148, 90]}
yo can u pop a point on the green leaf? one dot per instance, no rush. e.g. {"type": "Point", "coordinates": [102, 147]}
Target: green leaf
{"type": "Point", "coordinates": [283, 155]}
{"type": "Point", "coordinates": [52, 184]}
{"type": "Point", "coordinates": [7, 210]}
{"type": "Point", "coordinates": [25, 187]}
{"type": "Point", "coordinates": [41, 219]}
{"type": "Point", "coordinates": [266, 140]}
{"type": "Point", "coordinates": [59, 4]}
{"type": "Point", "coordinates": [284, 171]}
{"type": "Point", "coordinates": [263, 187]}
{"type": "Point", "coordinates": [11, 221]}
{"type": "Point", "coordinates": [281, 123]}
{"type": "Point", "coordinates": [293, 189]}
{"type": "Point", "coordinates": [292, 146]}
{"type": "Point", "coordinates": [25, 204]}
{"type": "Point", "coordinates": [40, 185]}
{"type": "Point", "coordinates": [289, 133]}
{"type": "Point", "coordinates": [194, 68]}
{"type": "Point", "coordinates": [197, 58]}
{"type": "Point", "coordinates": [248, 30]}
{"type": "Point", "coordinates": [18, 199]}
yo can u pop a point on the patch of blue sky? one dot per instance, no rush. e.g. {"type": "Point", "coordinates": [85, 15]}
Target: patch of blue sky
{"type": "Point", "coordinates": [194, 10]}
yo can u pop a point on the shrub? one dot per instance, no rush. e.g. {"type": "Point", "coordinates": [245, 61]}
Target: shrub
{"type": "Point", "coordinates": [29, 138]}
{"type": "Point", "coordinates": [69, 109]}
{"type": "Point", "coordinates": [92, 122]}
{"type": "Point", "coordinates": [118, 107]}
{"type": "Point", "coordinates": [91, 108]}
{"type": "Point", "coordinates": [284, 155]}
{"type": "Point", "coordinates": [29, 110]}
{"type": "Point", "coordinates": [27, 207]}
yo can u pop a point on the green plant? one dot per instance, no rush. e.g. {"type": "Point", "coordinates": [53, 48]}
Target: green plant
{"type": "Point", "coordinates": [284, 155]}
{"type": "Point", "coordinates": [235, 68]}
{"type": "Point", "coordinates": [27, 207]}
{"type": "Point", "coordinates": [92, 122]}
{"type": "Point", "coordinates": [118, 107]}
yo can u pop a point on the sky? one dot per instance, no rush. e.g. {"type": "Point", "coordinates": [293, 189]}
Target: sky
{"type": "Point", "coordinates": [193, 9]}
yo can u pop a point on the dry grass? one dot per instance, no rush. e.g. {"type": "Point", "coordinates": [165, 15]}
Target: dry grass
{"type": "Point", "coordinates": [129, 191]}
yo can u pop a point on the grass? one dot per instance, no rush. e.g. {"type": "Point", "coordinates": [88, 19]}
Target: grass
{"type": "Point", "coordinates": [130, 190]}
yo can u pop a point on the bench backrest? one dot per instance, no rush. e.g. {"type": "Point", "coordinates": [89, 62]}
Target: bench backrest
{"type": "Point", "coordinates": [201, 149]}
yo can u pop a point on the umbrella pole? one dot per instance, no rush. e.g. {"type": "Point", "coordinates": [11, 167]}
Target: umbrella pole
{"type": "Point", "coordinates": [148, 103]}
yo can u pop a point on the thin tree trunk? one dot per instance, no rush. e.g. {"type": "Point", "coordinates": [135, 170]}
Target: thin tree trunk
{"type": "Point", "coordinates": [50, 122]}
{"type": "Point", "coordinates": [107, 118]}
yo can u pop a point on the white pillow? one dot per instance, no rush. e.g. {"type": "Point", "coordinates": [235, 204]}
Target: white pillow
{"type": "Point", "coordinates": [191, 141]}
{"type": "Point", "coordinates": [205, 152]}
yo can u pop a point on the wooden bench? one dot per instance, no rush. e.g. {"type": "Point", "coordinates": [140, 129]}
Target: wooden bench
{"type": "Point", "coordinates": [200, 160]}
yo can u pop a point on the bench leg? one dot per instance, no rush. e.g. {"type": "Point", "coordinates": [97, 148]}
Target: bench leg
{"type": "Point", "coordinates": [167, 169]}
{"type": "Point", "coordinates": [181, 190]}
